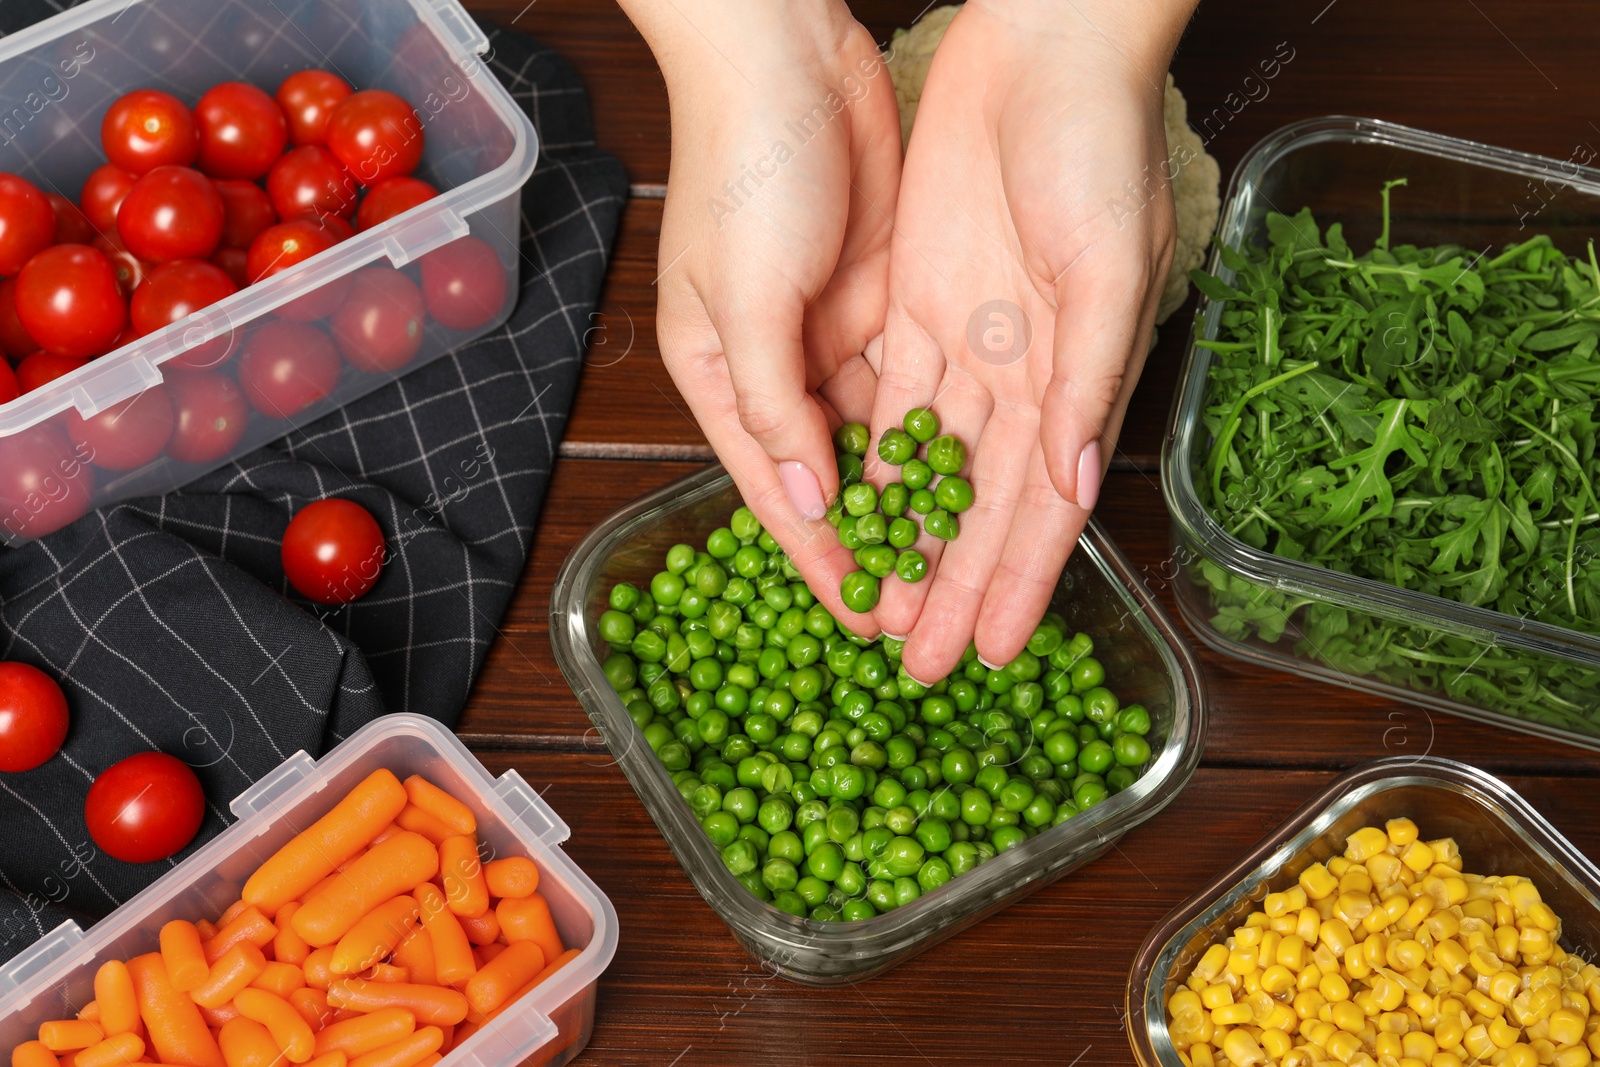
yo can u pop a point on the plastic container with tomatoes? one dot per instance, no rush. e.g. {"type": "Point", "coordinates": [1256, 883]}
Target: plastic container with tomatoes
{"type": "Point", "coordinates": [313, 222]}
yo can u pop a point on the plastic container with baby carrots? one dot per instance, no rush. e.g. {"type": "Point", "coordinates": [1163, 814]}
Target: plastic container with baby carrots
{"type": "Point", "coordinates": [54, 978]}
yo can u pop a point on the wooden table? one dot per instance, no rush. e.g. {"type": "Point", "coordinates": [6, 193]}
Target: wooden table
{"type": "Point", "coordinates": [1043, 981]}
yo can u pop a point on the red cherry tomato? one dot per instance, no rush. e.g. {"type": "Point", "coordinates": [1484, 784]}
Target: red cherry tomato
{"type": "Point", "coordinates": [376, 135]}
{"type": "Point", "coordinates": [9, 388]}
{"type": "Point", "coordinates": [175, 291]}
{"type": "Point", "coordinates": [145, 808]}
{"type": "Point", "coordinates": [68, 300]}
{"type": "Point", "coordinates": [464, 283]}
{"type": "Point", "coordinates": [308, 99]}
{"type": "Point", "coordinates": [131, 271]}
{"type": "Point", "coordinates": [390, 198]}
{"type": "Point", "coordinates": [146, 129]}
{"type": "Point", "coordinates": [27, 223]}
{"type": "Point", "coordinates": [246, 211]}
{"type": "Point", "coordinates": [33, 717]}
{"type": "Point", "coordinates": [128, 435]}
{"type": "Point", "coordinates": [242, 131]}
{"type": "Point", "coordinates": [171, 213]}
{"type": "Point", "coordinates": [333, 551]}
{"type": "Point", "coordinates": [44, 483]}
{"type": "Point", "coordinates": [310, 181]}
{"type": "Point", "coordinates": [13, 338]}
{"type": "Point", "coordinates": [42, 368]}
{"type": "Point", "coordinates": [209, 416]}
{"type": "Point", "coordinates": [379, 325]}
{"type": "Point", "coordinates": [102, 196]}
{"type": "Point", "coordinates": [288, 244]}
{"type": "Point", "coordinates": [235, 262]}
{"type": "Point", "coordinates": [286, 367]}
{"type": "Point", "coordinates": [72, 225]}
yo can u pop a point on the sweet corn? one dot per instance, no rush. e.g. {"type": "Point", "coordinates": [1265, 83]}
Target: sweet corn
{"type": "Point", "coordinates": [1276, 1043]}
{"type": "Point", "coordinates": [1576, 1056]}
{"type": "Point", "coordinates": [1401, 831]}
{"type": "Point", "coordinates": [1418, 1046]}
{"type": "Point", "coordinates": [1216, 996]}
{"type": "Point", "coordinates": [1200, 1056]}
{"type": "Point", "coordinates": [1242, 1049]}
{"type": "Point", "coordinates": [1566, 1027]}
{"type": "Point", "coordinates": [1231, 1014]}
{"type": "Point", "coordinates": [1417, 856]}
{"type": "Point", "coordinates": [1365, 843]}
{"type": "Point", "coordinates": [1317, 881]}
{"type": "Point", "coordinates": [1503, 1034]}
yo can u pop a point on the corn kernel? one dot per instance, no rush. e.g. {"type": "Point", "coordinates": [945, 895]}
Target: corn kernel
{"type": "Point", "coordinates": [1336, 935]}
{"type": "Point", "coordinates": [1566, 1027]}
{"type": "Point", "coordinates": [1355, 963]}
{"type": "Point", "coordinates": [1455, 890]}
{"type": "Point", "coordinates": [1405, 954]}
{"type": "Point", "coordinates": [1242, 1050]}
{"type": "Point", "coordinates": [1321, 1033]}
{"type": "Point", "coordinates": [1593, 1041]}
{"type": "Point", "coordinates": [1337, 865]}
{"type": "Point", "coordinates": [1440, 1059]}
{"type": "Point", "coordinates": [1276, 1044]}
{"type": "Point", "coordinates": [1277, 979]}
{"type": "Point", "coordinates": [1317, 881]}
{"type": "Point", "coordinates": [1231, 1014]}
{"type": "Point", "coordinates": [1212, 963]}
{"type": "Point", "coordinates": [1483, 1005]}
{"type": "Point", "coordinates": [1334, 988]}
{"type": "Point", "coordinates": [1394, 1022]}
{"type": "Point", "coordinates": [1247, 936]}
{"type": "Point", "coordinates": [1482, 910]}
{"type": "Point", "coordinates": [1291, 952]}
{"type": "Point", "coordinates": [1365, 843]}
{"type": "Point", "coordinates": [1384, 869]}
{"type": "Point", "coordinates": [1401, 832]}
{"type": "Point", "coordinates": [1478, 1043]}
{"type": "Point", "coordinates": [1346, 1016]}
{"type": "Point", "coordinates": [1417, 856]}
{"type": "Point", "coordinates": [1418, 1046]}
{"type": "Point", "coordinates": [1387, 1046]}
{"type": "Point", "coordinates": [1575, 1056]}
{"type": "Point", "coordinates": [1485, 961]}
{"type": "Point", "coordinates": [1307, 1003]}
{"type": "Point", "coordinates": [1533, 943]}
{"type": "Point", "coordinates": [1343, 1046]}
{"type": "Point", "coordinates": [1544, 917]}
{"type": "Point", "coordinates": [1447, 852]}
{"type": "Point", "coordinates": [1388, 993]}
{"type": "Point", "coordinates": [1282, 1017]}
{"type": "Point", "coordinates": [1216, 996]}
{"type": "Point", "coordinates": [1307, 925]}
{"type": "Point", "coordinates": [1309, 978]}
{"type": "Point", "coordinates": [1503, 986]}
{"type": "Point", "coordinates": [1242, 961]}
{"type": "Point", "coordinates": [1325, 959]}
{"type": "Point", "coordinates": [1520, 1055]}
{"type": "Point", "coordinates": [1291, 900]}
{"type": "Point", "coordinates": [1503, 1034]}
{"type": "Point", "coordinates": [1200, 1056]}
{"type": "Point", "coordinates": [1355, 880]}
{"type": "Point", "coordinates": [1450, 1033]}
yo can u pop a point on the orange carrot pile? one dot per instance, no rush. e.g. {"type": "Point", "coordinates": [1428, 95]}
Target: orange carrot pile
{"type": "Point", "coordinates": [374, 938]}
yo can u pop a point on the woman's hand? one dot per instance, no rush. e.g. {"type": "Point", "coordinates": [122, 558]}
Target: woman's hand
{"type": "Point", "coordinates": [1033, 236]}
{"type": "Point", "coordinates": [774, 247]}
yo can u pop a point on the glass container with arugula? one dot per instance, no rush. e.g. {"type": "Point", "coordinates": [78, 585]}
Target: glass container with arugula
{"type": "Point", "coordinates": [1382, 464]}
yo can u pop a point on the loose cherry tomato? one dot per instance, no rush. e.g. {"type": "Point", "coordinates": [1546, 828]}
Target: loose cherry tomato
{"type": "Point", "coordinates": [102, 196]}
{"type": "Point", "coordinates": [146, 129]}
{"type": "Point", "coordinates": [128, 435]}
{"type": "Point", "coordinates": [9, 388]}
{"type": "Point", "coordinates": [72, 225]}
{"type": "Point", "coordinates": [308, 98]}
{"type": "Point", "coordinates": [33, 717]}
{"type": "Point", "coordinates": [175, 291]}
{"type": "Point", "coordinates": [286, 367]}
{"type": "Point", "coordinates": [44, 483]}
{"type": "Point", "coordinates": [464, 283]}
{"type": "Point", "coordinates": [246, 211]}
{"type": "Point", "coordinates": [310, 181]}
{"type": "Point", "coordinates": [68, 301]}
{"type": "Point", "coordinates": [209, 415]}
{"type": "Point", "coordinates": [390, 198]}
{"type": "Point", "coordinates": [13, 338]}
{"type": "Point", "coordinates": [145, 808]}
{"type": "Point", "coordinates": [376, 135]}
{"type": "Point", "coordinates": [130, 269]}
{"type": "Point", "coordinates": [242, 131]}
{"type": "Point", "coordinates": [171, 213]}
{"type": "Point", "coordinates": [42, 368]}
{"type": "Point", "coordinates": [27, 223]}
{"type": "Point", "coordinates": [379, 325]}
{"type": "Point", "coordinates": [288, 244]}
{"type": "Point", "coordinates": [333, 551]}
{"type": "Point", "coordinates": [235, 262]}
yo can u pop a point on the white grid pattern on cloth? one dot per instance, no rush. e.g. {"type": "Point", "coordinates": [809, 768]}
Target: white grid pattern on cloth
{"type": "Point", "coordinates": [169, 618]}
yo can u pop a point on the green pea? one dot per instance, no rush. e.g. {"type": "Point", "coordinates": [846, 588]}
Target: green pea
{"type": "Point", "coordinates": [870, 530]}
{"type": "Point", "coordinates": [857, 910]}
{"type": "Point", "coordinates": [1131, 750]}
{"type": "Point", "coordinates": [941, 524]}
{"type": "Point", "coordinates": [922, 502]}
{"type": "Point", "coordinates": [915, 474]}
{"type": "Point", "coordinates": [1095, 757]}
{"type": "Point", "coordinates": [877, 560]}
{"type": "Point", "coordinates": [934, 834]}
{"type": "Point", "coordinates": [1119, 778]}
{"type": "Point", "coordinates": [1134, 719]}
{"type": "Point", "coordinates": [850, 469]}
{"type": "Point", "coordinates": [852, 438]}
{"type": "Point", "coordinates": [859, 591]}
{"type": "Point", "coordinates": [976, 807]}
{"type": "Point", "coordinates": [826, 861]}
{"type": "Point", "coordinates": [921, 424]}
{"type": "Point", "coordinates": [896, 446]}
{"type": "Point", "coordinates": [1086, 674]}
{"type": "Point", "coordinates": [812, 890]}
{"type": "Point", "coordinates": [953, 493]}
{"type": "Point", "coordinates": [860, 499]}
{"type": "Point", "coordinates": [906, 890]}
{"type": "Point", "coordinates": [892, 501]}
{"type": "Point", "coordinates": [946, 454]}
{"type": "Point", "coordinates": [911, 565]}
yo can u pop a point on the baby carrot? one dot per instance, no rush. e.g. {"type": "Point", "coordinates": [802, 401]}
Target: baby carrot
{"type": "Point", "coordinates": [113, 991]}
{"type": "Point", "coordinates": [529, 919]}
{"type": "Point", "coordinates": [318, 973]}
{"type": "Point", "coordinates": [205, 928]}
{"type": "Point", "coordinates": [357, 1037]}
{"type": "Point", "coordinates": [331, 1059]}
{"type": "Point", "coordinates": [291, 1032]}
{"type": "Point", "coordinates": [246, 1043]}
{"type": "Point", "coordinates": [231, 913]}
{"type": "Point", "coordinates": [118, 1051]}
{"type": "Point", "coordinates": [312, 1004]}
{"type": "Point", "coordinates": [452, 952]}
{"type": "Point", "coordinates": [217, 1018]}
{"type": "Point", "coordinates": [432, 1005]}
{"type": "Point", "coordinates": [279, 978]}
{"type": "Point", "coordinates": [414, 955]}
{"type": "Point", "coordinates": [65, 1035]}
{"type": "Point", "coordinates": [482, 954]}
{"type": "Point", "coordinates": [441, 805]}
{"type": "Point", "coordinates": [375, 935]}
{"type": "Point", "coordinates": [502, 976]}
{"type": "Point", "coordinates": [174, 1028]}
{"type": "Point", "coordinates": [288, 946]}
{"type": "Point", "coordinates": [249, 925]}
{"type": "Point", "coordinates": [463, 876]}
{"type": "Point", "coordinates": [32, 1054]}
{"type": "Point", "coordinates": [237, 968]}
{"type": "Point", "coordinates": [425, 823]}
{"type": "Point", "coordinates": [387, 832]}
{"type": "Point", "coordinates": [314, 853]}
{"type": "Point", "coordinates": [480, 929]}
{"type": "Point", "coordinates": [386, 972]}
{"type": "Point", "coordinates": [514, 876]}
{"type": "Point", "coordinates": [429, 1060]}
{"type": "Point", "coordinates": [384, 871]}
{"type": "Point", "coordinates": [405, 1052]}
{"type": "Point", "coordinates": [550, 969]}
{"type": "Point", "coordinates": [184, 955]}
{"type": "Point", "coordinates": [90, 1011]}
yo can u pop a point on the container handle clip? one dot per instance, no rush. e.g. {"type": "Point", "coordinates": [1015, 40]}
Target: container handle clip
{"type": "Point", "coordinates": [460, 26]}
{"type": "Point", "coordinates": [530, 809]}
{"type": "Point", "coordinates": [39, 955]}
{"type": "Point", "coordinates": [275, 784]}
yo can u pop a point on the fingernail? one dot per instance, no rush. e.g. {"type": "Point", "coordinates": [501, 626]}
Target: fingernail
{"type": "Point", "coordinates": [992, 666]}
{"type": "Point", "coordinates": [1089, 475]}
{"type": "Point", "coordinates": [919, 681]}
{"type": "Point", "coordinates": [805, 492]}
{"type": "Point", "coordinates": [896, 637]}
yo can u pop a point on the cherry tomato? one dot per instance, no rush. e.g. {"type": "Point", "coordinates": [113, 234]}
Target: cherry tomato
{"type": "Point", "coordinates": [376, 135]}
{"type": "Point", "coordinates": [127, 435]}
{"type": "Point", "coordinates": [390, 198]}
{"type": "Point", "coordinates": [42, 368]}
{"type": "Point", "coordinates": [33, 717]}
{"type": "Point", "coordinates": [288, 244]}
{"type": "Point", "coordinates": [171, 213]}
{"type": "Point", "coordinates": [242, 131]}
{"type": "Point", "coordinates": [235, 262]}
{"type": "Point", "coordinates": [145, 808]}
{"type": "Point", "coordinates": [72, 225]}
{"type": "Point", "coordinates": [68, 300]}
{"type": "Point", "coordinates": [310, 181]}
{"type": "Point", "coordinates": [209, 417]}
{"type": "Point", "coordinates": [131, 271]}
{"type": "Point", "coordinates": [102, 196]}
{"type": "Point", "coordinates": [27, 223]}
{"type": "Point", "coordinates": [286, 367]}
{"type": "Point", "coordinates": [175, 291]}
{"type": "Point", "coordinates": [464, 283]}
{"type": "Point", "coordinates": [246, 211]}
{"type": "Point", "coordinates": [333, 551]}
{"type": "Point", "coordinates": [13, 338]}
{"type": "Point", "coordinates": [9, 388]}
{"type": "Point", "coordinates": [146, 129]}
{"type": "Point", "coordinates": [379, 325]}
{"type": "Point", "coordinates": [44, 483]}
{"type": "Point", "coordinates": [308, 99]}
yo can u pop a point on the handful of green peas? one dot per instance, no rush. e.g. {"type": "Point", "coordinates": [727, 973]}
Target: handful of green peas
{"type": "Point", "coordinates": [833, 784]}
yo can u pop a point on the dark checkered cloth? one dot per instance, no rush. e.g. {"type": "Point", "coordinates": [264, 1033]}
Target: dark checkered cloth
{"type": "Point", "coordinates": [168, 619]}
